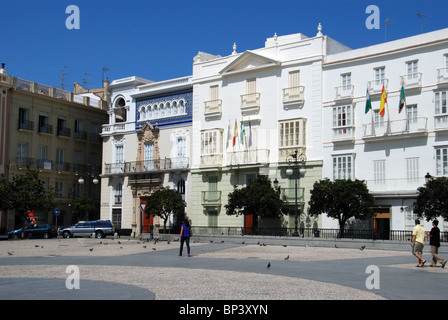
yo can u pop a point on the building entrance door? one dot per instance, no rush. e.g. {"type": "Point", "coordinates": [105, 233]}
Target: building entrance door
{"type": "Point", "coordinates": [381, 223]}
{"type": "Point", "coordinates": [147, 221]}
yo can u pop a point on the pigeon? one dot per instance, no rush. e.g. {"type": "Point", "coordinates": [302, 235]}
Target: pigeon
{"type": "Point", "coordinates": [119, 242]}
{"type": "Point", "coordinates": [91, 249]}
{"type": "Point", "coordinates": [168, 242]}
{"type": "Point", "coordinates": [36, 246]}
{"type": "Point", "coordinates": [336, 246]}
{"type": "Point", "coordinates": [269, 265]}
{"type": "Point", "coordinates": [285, 245]}
{"type": "Point", "coordinates": [144, 247]}
{"type": "Point", "coordinates": [287, 258]}
{"type": "Point", "coordinates": [362, 248]}
{"type": "Point", "coordinates": [153, 248]}
{"type": "Point", "coordinates": [10, 253]}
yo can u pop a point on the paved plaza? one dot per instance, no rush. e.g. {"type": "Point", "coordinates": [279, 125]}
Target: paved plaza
{"type": "Point", "coordinates": [221, 269]}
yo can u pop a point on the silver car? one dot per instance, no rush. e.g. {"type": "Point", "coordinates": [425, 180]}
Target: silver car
{"type": "Point", "coordinates": [100, 228]}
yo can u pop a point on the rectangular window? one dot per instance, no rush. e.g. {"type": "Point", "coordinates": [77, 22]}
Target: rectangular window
{"type": "Point", "coordinates": [118, 193]}
{"type": "Point", "coordinates": [440, 102]}
{"type": "Point", "coordinates": [442, 161]}
{"type": "Point", "coordinates": [379, 171]}
{"type": "Point", "coordinates": [412, 69]}
{"type": "Point", "coordinates": [346, 81]}
{"type": "Point", "coordinates": [22, 154]}
{"type": "Point", "coordinates": [380, 74]}
{"type": "Point", "coordinates": [342, 116]}
{"type": "Point", "coordinates": [412, 169]}
{"type": "Point", "coordinates": [59, 189]}
{"type": "Point", "coordinates": [343, 167]}
{"type": "Point", "coordinates": [292, 133]}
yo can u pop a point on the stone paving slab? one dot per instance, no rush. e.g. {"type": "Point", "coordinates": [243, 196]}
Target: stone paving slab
{"type": "Point", "coordinates": [224, 271]}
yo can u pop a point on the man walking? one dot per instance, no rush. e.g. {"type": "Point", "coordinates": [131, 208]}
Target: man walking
{"type": "Point", "coordinates": [418, 238]}
{"type": "Point", "coordinates": [434, 242]}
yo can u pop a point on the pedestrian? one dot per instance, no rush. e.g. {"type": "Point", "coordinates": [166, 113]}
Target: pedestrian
{"type": "Point", "coordinates": [417, 244]}
{"type": "Point", "coordinates": [185, 236]}
{"type": "Point", "coordinates": [434, 242]}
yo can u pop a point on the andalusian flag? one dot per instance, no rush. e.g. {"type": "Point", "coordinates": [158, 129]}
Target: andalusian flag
{"type": "Point", "coordinates": [383, 102]}
{"type": "Point", "coordinates": [402, 99]}
{"type": "Point", "coordinates": [235, 133]}
{"type": "Point", "coordinates": [368, 101]}
{"type": "Point", "coordinates": [229, 136]}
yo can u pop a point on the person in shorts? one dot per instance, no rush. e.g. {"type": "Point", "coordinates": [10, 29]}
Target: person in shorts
{"type": "Point", "coordinates": [417, 244]}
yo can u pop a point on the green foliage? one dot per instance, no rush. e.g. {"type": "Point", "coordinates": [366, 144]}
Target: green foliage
{"type": "Point", "coordinates": [258, 198]}
{"type": "Point", "coordinates": [163, 202]}
{"type": "Point", "coordinates": [341, 200]}
{"type": "Point", "coordinates": [26, 192]}
{"type": "Point", "coordinates": [83, 208]}
{"type": "Point", "coordinates": [432, 200]}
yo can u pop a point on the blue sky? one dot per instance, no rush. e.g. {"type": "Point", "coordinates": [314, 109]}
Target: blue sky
{"type": "Point", "coordinates": [157, 39]}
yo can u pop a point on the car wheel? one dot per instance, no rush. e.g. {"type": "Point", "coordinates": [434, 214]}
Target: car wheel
{"type": "Point", "coordinates": [66, 234]}
{"type": "Point", "coordinates": [99, 234]}
{"type": "Point", "coordinates": [15, 236]}
{"type": "Point", "coordinates": [45, 235]}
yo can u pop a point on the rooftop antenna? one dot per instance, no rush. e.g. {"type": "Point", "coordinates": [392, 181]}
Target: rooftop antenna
{"type": "Point", "coordinates": [84, 80]}
{"type": "Point", "coordinates": [63, 77]}
{"type": "Point", "coordinates": [105, 69]}
{"type": "Point", "coordinates": [421, 16]}
{"type": "Point", "coordinates": [386, 22]}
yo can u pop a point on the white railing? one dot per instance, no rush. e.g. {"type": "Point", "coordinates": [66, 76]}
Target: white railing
{"type": "Point", "coordinates": [343, 133]}
{"type": "Point", "coordinates": [412, 80]}
{"type": "Point", "coordinates": [247, 157]}
{"type": "Point", "coordinates": [294, 94]}
{"type": "Point", "coordinates": [442, 75]}
{"type": "Point", "coordinates": [441, 121]}
{"type": "Point", "coordinates": [344, 92]}
{"type": "Point", "coordinates": [406, 126]}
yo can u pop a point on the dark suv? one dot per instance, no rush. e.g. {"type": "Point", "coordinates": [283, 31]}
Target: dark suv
{"type": "Point", "coordinates": [100, 228]}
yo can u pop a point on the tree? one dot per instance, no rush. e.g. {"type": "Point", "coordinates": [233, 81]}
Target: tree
{"type": "Point", "coordinates": [432, 199]}
{"type": "Point", "coordinates": [163, 202]}
{"type": "Point", "coordinates": [258, 198]}
{"type": "Point", "coordinates": [28, 192]}
{"type": "Point", "coordinates": [83, 208]}
{"type": "Point", "coordinates": [341, 200]}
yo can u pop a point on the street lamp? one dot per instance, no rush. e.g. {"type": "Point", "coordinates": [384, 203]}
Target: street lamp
{"type": "Point", "coordinates": [298, 162]}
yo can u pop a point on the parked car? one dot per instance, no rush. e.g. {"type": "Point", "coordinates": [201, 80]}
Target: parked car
{"type": "Point", "coordinates": [44, 231]}
{"type": "Point", "coordinates": [101, 229]}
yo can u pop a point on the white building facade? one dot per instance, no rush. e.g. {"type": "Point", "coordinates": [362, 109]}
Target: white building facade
{"type": "Point", "coordinates": [147, 145]}
{"type": "Point", "coordinates": [392, 153]}
{"type": "Point", "coordinates": [252, 111]}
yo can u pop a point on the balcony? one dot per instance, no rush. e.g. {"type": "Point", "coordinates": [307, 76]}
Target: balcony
{"type": "Point", "coordinates": [47, 129]}
{"type": "Point", "coordinates": [146, 166]}
{"type": "Point", "coordinates": [441, 122]}
{"type": "Point", "coordinates": [117, 128]}
{"type": "Point", "coordinates": [376, 86]}
{"type": "Point", "coordinates": [63, 132]}
{"type": "Point", "coordinates": [284, 152]}
{"type": "Point", "coordinates": [26, 125]}
{"type": "Point", "coordinates": [258, 156]}
{"type": "Point", "coordinates": [213, 109]}
{"type": "Point", "coordinates": [211, 160]}
{"type": "Point", "coordinates": [250, 103]}
{"type": "Point", "coordinates": [294, 96]}
{"type": "Point", "coordinates": [211, 198]}
{"type": "Point", "coordinates": [343, 133]}
{"type": "Point", "coordinates": [344, 92]}
{"type": "Point", "coordinates": [80, 135]}
{"type": "Point", "coordinates": [398, 128]}
{"type": "Point", "coordinates": [442, 75]}
{"type": "Point", "coordinates": [412, 80]}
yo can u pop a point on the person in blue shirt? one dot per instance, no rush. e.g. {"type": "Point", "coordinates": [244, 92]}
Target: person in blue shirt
{"type": "Point", "coordinates": [185, 236]}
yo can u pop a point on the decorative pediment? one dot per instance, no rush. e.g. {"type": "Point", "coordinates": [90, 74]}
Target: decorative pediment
{"type": "Point", "coordinates": [148, 133]}
{"type": "Point", "coordinates": [249, 61]}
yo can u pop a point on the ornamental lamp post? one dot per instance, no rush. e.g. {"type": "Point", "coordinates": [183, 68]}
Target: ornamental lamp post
{"type": "Point", "coordinates": [297, 161]}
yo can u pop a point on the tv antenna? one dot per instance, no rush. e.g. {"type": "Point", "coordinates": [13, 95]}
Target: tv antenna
{"type": "Point", "coordinates": [84, 80]}
{"type": "Point", "coordinates": [63, 77]}
{"type": "Point", "coordinates": [421, 16]}
{"type": "Point", "coordinates": [386, 23]}
{"type": "Point", "coordinates": [105, 69]}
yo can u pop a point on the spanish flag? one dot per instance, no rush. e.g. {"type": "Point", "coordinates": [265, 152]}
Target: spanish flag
{"type": "Point", "coordinates": [383, 102]}
{"type": "Point", "coordinates": [235, 133]}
